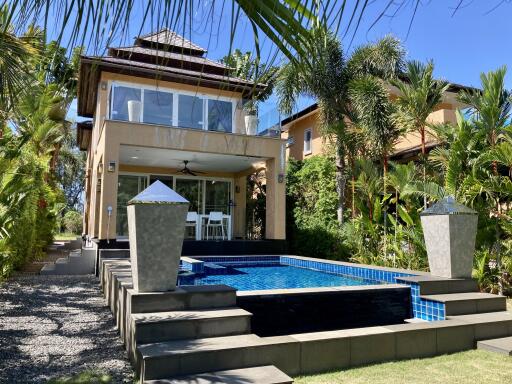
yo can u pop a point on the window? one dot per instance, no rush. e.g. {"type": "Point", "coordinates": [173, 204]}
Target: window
{"type": "Point", "coordinates": [120, 101]}
{"type": "Point", "coordinates": [190, 112]}
{"type": "Point", "coordinates": [157, 107]}
{"type": "Point", "coordinates": [220, 116]}
{"type": "Point", "coordinates": [307, 141]}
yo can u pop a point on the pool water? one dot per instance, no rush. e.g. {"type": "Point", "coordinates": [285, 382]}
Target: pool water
{"type": "Point", "coordinates": [249, 277]}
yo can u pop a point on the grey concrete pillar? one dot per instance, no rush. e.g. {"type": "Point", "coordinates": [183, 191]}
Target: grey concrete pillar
{"type": "Point", "coordinates": [449, 229]}
{"type": "Point", "coordinates": [156, 226]}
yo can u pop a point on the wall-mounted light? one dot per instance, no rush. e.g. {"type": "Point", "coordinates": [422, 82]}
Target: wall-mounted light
{"type": "Point", "coordinates": [103, 85]}
{"type": "Point", "coordinates": [237, 189]}
{"type": "Point", "coordinates": [111, 166]}
{"type": "Point", "coordinates": [100, 168]}
{"type": "Point", "coordinates": [280, 178]}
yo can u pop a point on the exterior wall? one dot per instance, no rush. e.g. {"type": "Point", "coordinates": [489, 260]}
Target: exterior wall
{"type": "Point", "coordinates": [445, 113]}
{"type": "Point", "coordinates": [296, 130]}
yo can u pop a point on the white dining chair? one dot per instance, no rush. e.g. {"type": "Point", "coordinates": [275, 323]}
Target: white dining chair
{"type": "Point", "coordinates": [215, 222]}
{"type": "Point", "coordinates": [192, 218]}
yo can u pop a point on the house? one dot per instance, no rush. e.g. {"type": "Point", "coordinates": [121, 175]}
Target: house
{"type": "Point", "coordinates": [161, 110]}
{"type": "Point", "coordinates": [304, 138]}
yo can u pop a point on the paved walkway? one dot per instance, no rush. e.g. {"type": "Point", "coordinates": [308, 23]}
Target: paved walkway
{"type": "Point", "coordinates": [54, 326]}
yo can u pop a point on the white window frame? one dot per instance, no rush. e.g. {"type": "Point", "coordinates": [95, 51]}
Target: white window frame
{"type": "Point", "coordinates": [310, 150]}
{"type": "Point", "coordinates": [175, 102]}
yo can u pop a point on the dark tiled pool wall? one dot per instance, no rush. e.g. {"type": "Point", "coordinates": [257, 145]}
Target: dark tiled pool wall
{"type": "Point", "coordinates": [283, 314]}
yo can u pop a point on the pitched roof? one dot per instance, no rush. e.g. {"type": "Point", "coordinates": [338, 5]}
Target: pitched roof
{"type": "Point", "coordinates": [171, 40]}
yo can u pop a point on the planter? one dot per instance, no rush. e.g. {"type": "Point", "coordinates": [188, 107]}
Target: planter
{"type": "Point", "coordinates": [449, 230]}
{"type": "Point", "coordinates": [156, 226]}
{"type": "Point", "coordinates": [251, 125]}
{"type": "Point", "coordinates": [134, 110]}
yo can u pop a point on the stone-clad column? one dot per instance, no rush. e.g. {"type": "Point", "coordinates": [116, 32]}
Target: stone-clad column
{"type": "Point", "coordinates": [156, 226]}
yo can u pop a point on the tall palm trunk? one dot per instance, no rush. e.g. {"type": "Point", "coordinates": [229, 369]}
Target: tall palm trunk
{"type": "Point", "coordinates": [424, 159]}
{"type": "Point", "coordinates": [341, 180]}
{"type": "Point", "coordinates": [384, 187]}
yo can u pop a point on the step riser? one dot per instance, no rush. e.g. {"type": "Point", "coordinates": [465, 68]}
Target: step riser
{"type": "Point", "coordinates": [467, 307]}
{"type": "Point", "coordinates": [443, 287]}
{"type": "Point", "coordinates": [157, 332]}
{"type": "Point", "coordinates": [283, 356]}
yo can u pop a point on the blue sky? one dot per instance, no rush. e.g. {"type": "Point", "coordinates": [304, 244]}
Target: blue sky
{"type": "Point", "coordinates": [462, 46]}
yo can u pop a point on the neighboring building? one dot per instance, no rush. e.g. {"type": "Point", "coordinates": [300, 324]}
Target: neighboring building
{"type": "Point", "coordinates": [304, 138]}
{"type": "Point", "coordinates": [190, 134]}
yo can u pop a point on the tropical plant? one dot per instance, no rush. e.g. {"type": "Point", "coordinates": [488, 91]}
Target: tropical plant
{"type": "Point", "coordinates": [333, 80]}
{"type": "Point", "coordinates": [419, 95]}
{"type": "Point", "coordinates": [247, 67]}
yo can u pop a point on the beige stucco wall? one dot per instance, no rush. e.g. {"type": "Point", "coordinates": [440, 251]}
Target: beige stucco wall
{"type": "Point", "coordinates": [445, 113]}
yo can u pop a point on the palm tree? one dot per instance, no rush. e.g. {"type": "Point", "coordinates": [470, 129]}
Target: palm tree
{"type": "Point", "coordinates": [335, 81]}
{"type": "Point", "coordinates": [420, 94]}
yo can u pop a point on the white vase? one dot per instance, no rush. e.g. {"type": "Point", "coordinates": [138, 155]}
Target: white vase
{"type": "Point", "coordinates": [251, 124]}
{"type": "Point", "coordinates": [134, 110]}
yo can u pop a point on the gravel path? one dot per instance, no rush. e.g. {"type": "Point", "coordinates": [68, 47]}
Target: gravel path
{"type": "Point", "coordinates": [54, 326]}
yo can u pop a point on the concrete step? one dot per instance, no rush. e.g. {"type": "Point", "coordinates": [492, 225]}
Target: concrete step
{"type": "Point", "coordinates": [489, 325]}
{"type": "Point", "coordinates": [430, 285]}
{"type": "Point", "coordinates": [186, 357]}
{"type": "Point", "coordinates": [503, 345]}
{"type": "Point", "coordinates": [76, 263]}
{"type": "Point", "coordinates": [267, 374]}
{"type": "Point", "coordinates": [177, 325]}
{"type": "Point", "coordinates": [469, 302]}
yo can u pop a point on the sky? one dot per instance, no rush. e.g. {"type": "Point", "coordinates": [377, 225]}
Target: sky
{"type": "Point", "coordinates": [462, 45]}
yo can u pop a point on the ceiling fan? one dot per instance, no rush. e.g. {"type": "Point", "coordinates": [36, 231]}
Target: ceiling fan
{"type": "Point", "coordinates": [186, 171]}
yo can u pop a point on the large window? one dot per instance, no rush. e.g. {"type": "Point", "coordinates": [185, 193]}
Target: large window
{"type": "Point", "coordinates": [220, 116]}
{"type": "Point", "coordinates": [128, 186]}
{"type": "Point", "coordinates": [308, 138]}
{"type": "Point", "coordinates": [173, 108]}
{"type": "Point", "coordinates": [217, 196]}
{"type": "Point", "coordinates": [120, 98]}
{"type": "Point", "coordinates": [157, 107]}
{"type": "Point", "coordinates": [190, 112]}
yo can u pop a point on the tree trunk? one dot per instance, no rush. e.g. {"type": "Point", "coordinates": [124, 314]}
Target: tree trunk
{"type": "Point", "coordinates": [424, 155]}
{"type": "Point", "coordinates": [341, 180]}
{"type": "Point", "coordinates": [384, 187]}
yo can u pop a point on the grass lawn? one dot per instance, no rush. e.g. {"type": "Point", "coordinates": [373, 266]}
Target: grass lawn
{"type": "Point", "coordinates": [472, 367]}
{"type": "Point", "coordinates": [65, 236]}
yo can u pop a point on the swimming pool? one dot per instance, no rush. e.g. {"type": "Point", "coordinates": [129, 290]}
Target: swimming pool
{"type": "Point", "coordinates": [252, 276]}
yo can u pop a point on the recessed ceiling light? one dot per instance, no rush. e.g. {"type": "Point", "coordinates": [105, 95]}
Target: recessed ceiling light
{"type": "Point", "coordinates": [134, 157]}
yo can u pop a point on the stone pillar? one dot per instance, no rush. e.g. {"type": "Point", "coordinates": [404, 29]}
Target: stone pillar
{"type": "Point", "coordinates": [449, 230]}
{"type": "Point", "coordinates": [156, 227]}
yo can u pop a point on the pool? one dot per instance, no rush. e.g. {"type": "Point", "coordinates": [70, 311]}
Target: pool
{"type": "Point", "coordinates": [261, 276]}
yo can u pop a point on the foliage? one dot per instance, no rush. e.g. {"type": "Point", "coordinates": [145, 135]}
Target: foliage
{"type": "Point", "coordinates": [87, 377]}
{"type": "Point", "coordinates": [73, 222]}
{"type": "Point", "coordinates": [255, 205]}
{"type": "Point", "coordinates": [33, 132]}
{"type": "Point", "coordinates": [312, 229]}
{"type": "Point", "coordinates": [244, 66]}
{"type": "Point", "coordinates": [344, 87]}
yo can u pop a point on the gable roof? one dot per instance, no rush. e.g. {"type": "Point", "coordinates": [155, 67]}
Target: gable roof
{"type": "Point", "coordinates": [169, 40]}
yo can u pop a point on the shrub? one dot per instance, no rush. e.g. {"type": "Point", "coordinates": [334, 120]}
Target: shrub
{"type": "Point", "coordinates": [73, 222]}
{"type": "Point", "coordinates": [312, 200]}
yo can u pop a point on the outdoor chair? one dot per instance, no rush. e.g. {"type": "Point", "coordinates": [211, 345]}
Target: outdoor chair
{"type": "Point", "coordinates": [214, 224]}
{"type": "Point", "coordinates": [192, 218]}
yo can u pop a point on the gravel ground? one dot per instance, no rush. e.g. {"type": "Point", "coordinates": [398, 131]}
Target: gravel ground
{"type": "Point", "coordinates": [54, 326]}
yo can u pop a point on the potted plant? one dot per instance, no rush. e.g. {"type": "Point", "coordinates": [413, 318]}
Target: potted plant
{"type": "Point", "coordinates": [251, 117]}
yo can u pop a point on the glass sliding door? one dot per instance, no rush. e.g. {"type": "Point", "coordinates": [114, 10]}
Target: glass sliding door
{"type": "Point", "coordinates": [120, 98]}
{"type": "Point", "coordinates": [167, 180]}
{"type": "Point", "coordinates": [217, 196]}
{"type": "Point", "coordinates": [157, 107]}
{"type": "Point", "coordinates": [190, 112]}
{"type": "Point", "coordinates": [220, 116]}
{"type": "Point", "coordinates": [191, 189]}
{"type": "Point", "coordinates": [128, 186]}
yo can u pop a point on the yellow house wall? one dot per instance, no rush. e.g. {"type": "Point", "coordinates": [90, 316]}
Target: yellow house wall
{"type": "Point", "coordinates": [296, 130]}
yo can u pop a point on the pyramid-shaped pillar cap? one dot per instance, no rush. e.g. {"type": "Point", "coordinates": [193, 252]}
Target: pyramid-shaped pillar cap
{"type": "Point", "coordinates": [158, 193]}
{"type": "Point", "coordinates": [448, 206]}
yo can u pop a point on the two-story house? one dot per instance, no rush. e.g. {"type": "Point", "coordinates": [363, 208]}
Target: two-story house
{"type": "Point", "coordinates": [304, 138]}
{"type": "Point", "coordinates": [161, 110]}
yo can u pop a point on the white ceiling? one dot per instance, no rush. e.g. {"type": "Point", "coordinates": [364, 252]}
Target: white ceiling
{"type": "Point", "coordinates": [199, 161]}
